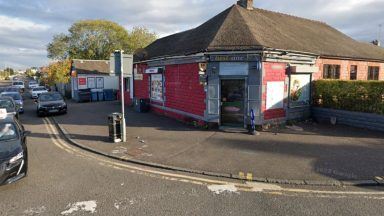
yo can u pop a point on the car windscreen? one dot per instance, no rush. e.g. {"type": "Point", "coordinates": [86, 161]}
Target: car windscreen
{"type": "Point", "coordinates": [14, 96]}
{"type": "Point", "coordinates": [38, 89]}
{"type": "Point", "coordinates": [50, 97]}
{"type": "Point", "coordinates": [7, 104]}
{"type": "Point", "coordinates": [7, 132]}
{"type": "Point", "coordinates": [11, 90]}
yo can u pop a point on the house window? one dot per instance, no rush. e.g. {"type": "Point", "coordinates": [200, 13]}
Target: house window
{"type": "Point", "coordinates": [353, 72]}
{"type": "Point", "coordinates": [373, 73]}
{"type": "Point", "coordinates": [157, 87]}
{"type": "Point", "coordinates": [127, 84]}
{"type": "Point", "coordinates": [331, 72]}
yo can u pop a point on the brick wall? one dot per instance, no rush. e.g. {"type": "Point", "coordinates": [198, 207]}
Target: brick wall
{"type": "Point", "coordinates": [345, 68]}
{"type": "Point", "coordinates": [183, 90]}
{"type": "Point", "coordinates": [141, 88]}
{"type": "Point", "coordinates": [127, 95]}
{"type": "Point", "coordinates": [273, 72]}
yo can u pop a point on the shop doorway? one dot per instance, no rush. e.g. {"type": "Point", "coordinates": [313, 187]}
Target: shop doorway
{"type": "Point", "coordinates": [232, 102]}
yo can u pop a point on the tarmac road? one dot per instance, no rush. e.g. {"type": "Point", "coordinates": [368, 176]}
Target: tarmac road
{"type": "Point", "coordinates": [64, 180]}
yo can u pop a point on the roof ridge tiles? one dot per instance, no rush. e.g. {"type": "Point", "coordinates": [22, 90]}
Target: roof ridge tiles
{"type": "Point", "coordinates": [290, 15]}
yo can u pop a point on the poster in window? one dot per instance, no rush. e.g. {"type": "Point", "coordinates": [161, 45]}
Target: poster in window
{"type": "Point", "coordinates": [99, 82]}
{"type": "Point", "coordinates": [299, 92]}
{"type": "Point", "coordinates": [91, 82]}
{"type": "Point", "coordinates": [157, 87]}
{"type": "Point", "coordinates": [82, 81]}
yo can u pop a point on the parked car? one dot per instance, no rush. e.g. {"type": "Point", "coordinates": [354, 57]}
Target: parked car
{"type": "Point", "coordinates": [9, 105]}
{"type": "Point", "coordinates": [33, 84]}
{"type": "Point", "coordinates": [50, 103]}
{"type": "Point", "coordinates": [11, 89]}
{"type": "Point", "coordinates": [18, 84]}
{"type": "Point", "coordinates": [13, 149]}
{"type": "Point", "coordinates": [17, 98]}
{"type": "Point", "coordinates": [35, 92]}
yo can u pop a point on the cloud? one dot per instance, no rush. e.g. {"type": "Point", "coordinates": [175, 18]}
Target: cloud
{"type": "Point", "coordinates": [15, 24]}
{"type": "Point", "coordinates": [27, 26]}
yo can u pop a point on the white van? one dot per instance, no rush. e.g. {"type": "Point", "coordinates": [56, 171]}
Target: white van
{"type": "Point", "coordinates": [18, 84]}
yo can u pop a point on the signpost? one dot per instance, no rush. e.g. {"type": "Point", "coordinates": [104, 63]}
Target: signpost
{"type": "Point", "coordinates": [119, 70]}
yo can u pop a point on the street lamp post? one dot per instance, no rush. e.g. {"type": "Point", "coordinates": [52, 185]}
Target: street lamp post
{"type": "Point", "coordinates": [123, 127]}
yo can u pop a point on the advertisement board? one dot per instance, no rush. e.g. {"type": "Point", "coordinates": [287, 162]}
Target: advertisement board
{"type": "Point", "coordinates": [157, 87]}
{"type": "Point", "coordinates": [299, 90]}
{"type": "Point", "coordinates": [91, 82]}
{"type": "Point", "coordinates": [82, 81]}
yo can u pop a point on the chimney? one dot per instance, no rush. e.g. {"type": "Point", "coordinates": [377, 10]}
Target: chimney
{"type": "Point", "coordinates": [248, 4]}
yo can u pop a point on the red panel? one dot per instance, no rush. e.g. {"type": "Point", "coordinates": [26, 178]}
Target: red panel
{"type": "Point", "coordinates": [183, 90]}
{"type": "Point", "coordinates": [141, 86]}
{"type": "Point", "coordinates": [273, 72]}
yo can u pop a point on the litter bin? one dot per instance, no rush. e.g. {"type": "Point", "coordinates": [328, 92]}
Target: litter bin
{"type": "Point", "coordinates": [115, 127]}
{"type": "Point", "coordinates": [108, 95]}
{"type": "Point", "coordinates": [84, 95]}
{"type": "Point", "coordinates": [93, 95]}
{"type": "Point", "coordinates": [142, 105]}
{"type": "Point", "coordinates": [100, 95]}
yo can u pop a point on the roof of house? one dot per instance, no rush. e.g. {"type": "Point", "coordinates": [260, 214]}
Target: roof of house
{"type": "Point", "coordinates": [237, 28]}
{"type": "Point", "coordinates": [96, 67]}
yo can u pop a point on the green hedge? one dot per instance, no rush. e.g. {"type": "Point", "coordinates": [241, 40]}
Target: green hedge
{"type": "Point", "coordinates": [359, 96]}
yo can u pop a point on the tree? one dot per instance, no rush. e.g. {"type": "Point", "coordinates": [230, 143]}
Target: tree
{"type": "Point", "coordinates": [9, 71]}
{"type": "Point", "coordinates": [58, 48]}
{"type": "Point", "coordinates": [29, 73]}
{"type": "Point", "coordinates": [139, 38]}
{"type": "Point", "coordinates": [97, 39]}
{"type": "Point", "coordinates": [57, 72]}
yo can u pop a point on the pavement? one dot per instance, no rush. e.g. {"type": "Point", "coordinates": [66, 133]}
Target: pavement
{"type": "Point", "coordinates": [65, 180]}
{"type": "Point", "coordinates": [305, 153]}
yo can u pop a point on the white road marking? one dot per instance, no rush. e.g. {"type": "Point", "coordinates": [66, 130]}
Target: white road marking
{"type": "Point", "coordinates": [248, 186]}
{"type": "Point", "coordinates": [35, 211]}
{"type": "Point", "coordinates": [117, 206]}
{"type": "Point", "coordinates": [87, 206]}
{"type": "Point", "coordinates": [218, 189]}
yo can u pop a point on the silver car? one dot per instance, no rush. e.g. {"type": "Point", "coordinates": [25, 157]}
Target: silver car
{"type": "Point", "coordinates": [17, 98]}
{"type": "Point", "coordinates": [9, 104]}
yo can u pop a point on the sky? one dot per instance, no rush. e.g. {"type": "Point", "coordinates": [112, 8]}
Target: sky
{"type": "Point", "coordinates": [27, 26]}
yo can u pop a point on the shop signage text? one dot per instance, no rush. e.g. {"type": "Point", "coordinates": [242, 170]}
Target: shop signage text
{"type": "Point", "coordinates": [154, 70]}
{"type": "Point", "coordinates": [234, 58]}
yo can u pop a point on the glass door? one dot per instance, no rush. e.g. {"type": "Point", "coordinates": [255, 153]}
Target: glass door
{"type": "Point", "coordinates": [232, 102]}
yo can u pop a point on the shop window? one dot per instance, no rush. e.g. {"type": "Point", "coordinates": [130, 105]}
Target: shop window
{"type": "Point", "coordinates": [127, 84]}
{"type": "Point", "coordinates": [331, 71]}
{"type": "Point", "coordinates": [373, 73]}
{"type": "Point", "coordinates": [100, 82]}
{"type": "Point", "coordinates": [157, 87]}
{"type": "Point", "coordinates": [353, 72]}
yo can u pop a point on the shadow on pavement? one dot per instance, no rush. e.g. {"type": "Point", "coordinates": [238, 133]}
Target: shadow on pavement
{"type": "Point", "coordinates": [337, 161]}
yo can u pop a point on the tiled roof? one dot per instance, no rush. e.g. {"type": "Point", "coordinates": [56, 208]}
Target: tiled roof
{"type": "Point", "coordinates": [237, 29]}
